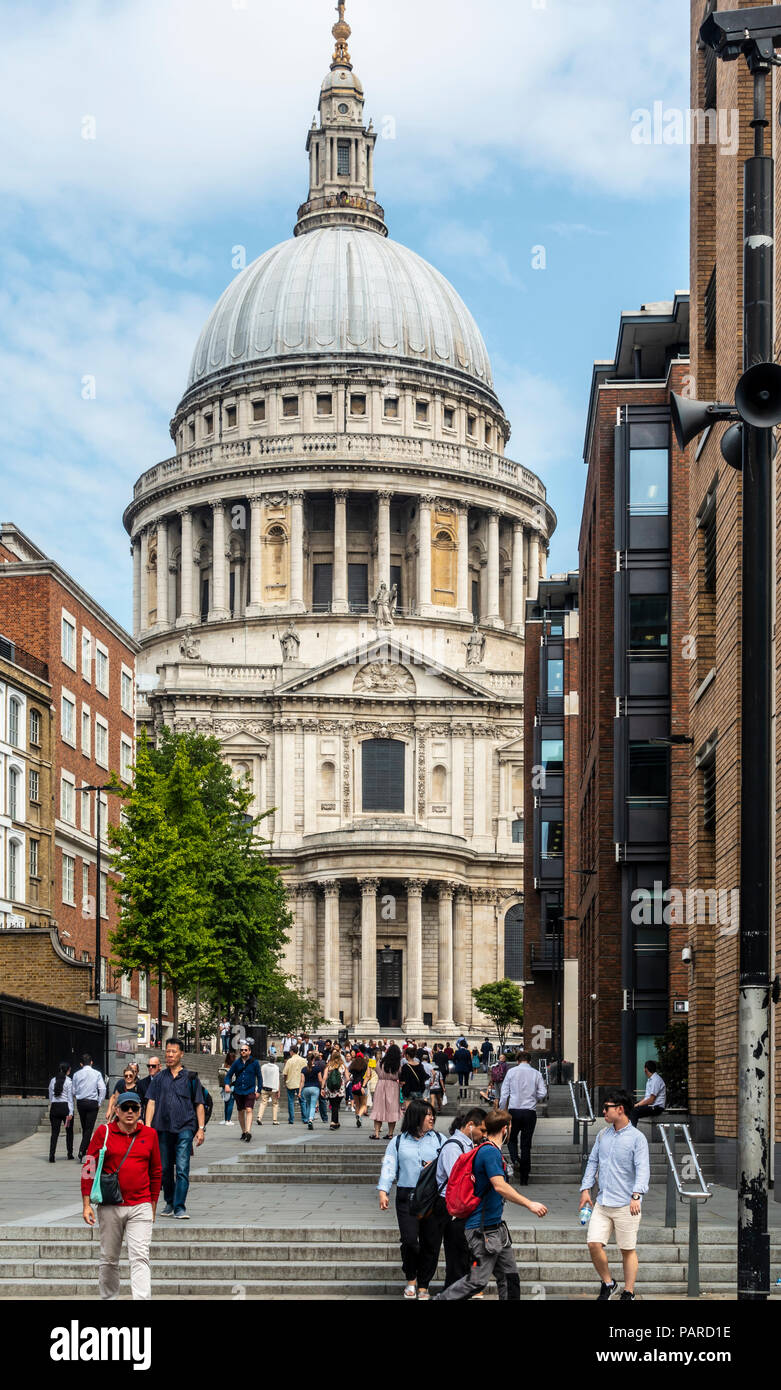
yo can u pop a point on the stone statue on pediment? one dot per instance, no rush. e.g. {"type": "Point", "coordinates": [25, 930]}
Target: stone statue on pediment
{"type": "Point", "coordinates": [475, 647]}
{"type": "Point", "coordinates": [190, 647]}
{"type": "Point", "coordinates": [383, 605]}
{"type": "Point", "coordinates": [290, 643]}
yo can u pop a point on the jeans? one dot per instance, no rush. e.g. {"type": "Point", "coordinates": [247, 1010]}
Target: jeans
{"type": "Point", "coordinates": [421, 1241]}
{"type": "Point", "coordinates": [88, 1113]}
{"type": "Point", "coordinates": [115, 1222]}
{"type": "Point", "coordinates": [323, 1108]}
{"type": "Point", "coordinates": [225, 1042]}
{"type": "Point", "coordinates": [58, 1115]}
{"type": "Point", "coordinates": [309, 1097]}
{"type": "Point", "coordinates": [524, 1122]}
{"type": "Point", "coordinates": [645, 1112]}
{"type": "Point", "coordinates": [175, 1150]}
{"type": "Point", "coordinates": [229, 1103]}
{"type": "Point", "coordinates": [291, 1105]}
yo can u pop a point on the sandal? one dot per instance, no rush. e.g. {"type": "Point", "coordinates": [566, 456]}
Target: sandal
{"type": "Point", "coordinates": [423, 1295]}
{"type": "Point", "coordinates": [411, 1291]}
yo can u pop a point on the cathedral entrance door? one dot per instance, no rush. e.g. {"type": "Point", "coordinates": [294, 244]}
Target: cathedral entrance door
{"type": "Point", "coordinates": [389, 988]}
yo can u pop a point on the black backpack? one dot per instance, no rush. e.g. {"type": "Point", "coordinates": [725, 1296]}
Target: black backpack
{"type": "Point", "coordinates": [426, 1190]}
{"type": "Point", "coordinates": [208, 1103]}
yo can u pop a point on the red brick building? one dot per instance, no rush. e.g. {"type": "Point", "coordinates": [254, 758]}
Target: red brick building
{"type": "Point", "coordinates": [91, 671]}
{"type": "Point", "coordinates": [634, 672]}
{"type": "Point", "coordinates": [550, 815]}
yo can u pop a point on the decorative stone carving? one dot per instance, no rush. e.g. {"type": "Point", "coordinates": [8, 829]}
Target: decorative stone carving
{"type": "Point", "coordinates": [290, 643]}
{"type": "Point", "coordinates": [383, 605]}
{"type": "Point", "coordinates": [384, 678]}
{"type": "Point", "coordinates": [346, 749]}
{"type": "Point", "coordinates": [190, 647]}
{"type": "Point", "coordinates": [421, 777]}
{"type": "Point", "coordinates": [385, 730]}
{"type": "Point", "coordinates": [475, 647]}
{"type": "Point", "coordinates": [369, 886]}
{"type": "Point", "coordinates": [415, 887]}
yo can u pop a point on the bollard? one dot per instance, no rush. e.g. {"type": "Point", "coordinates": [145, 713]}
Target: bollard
{"type": "Point", "coordinates": [693, 1285]}
{"type": "Point", "coordinates": [671, 1202]}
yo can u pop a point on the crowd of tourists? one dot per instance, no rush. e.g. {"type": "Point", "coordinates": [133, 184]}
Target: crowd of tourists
{"type": "Point", "coordinates": [450, 1190]}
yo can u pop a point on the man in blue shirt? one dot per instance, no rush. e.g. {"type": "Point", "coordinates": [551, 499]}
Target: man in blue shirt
{"type": "Point", "coordinates": [245, 1074]}
{"type": "Point", "coordinates": [620, 1153]}
{"type": "Point", "coordinates": [175, 1108]}
{"type": "Point", "coordinates": [487, 1235]}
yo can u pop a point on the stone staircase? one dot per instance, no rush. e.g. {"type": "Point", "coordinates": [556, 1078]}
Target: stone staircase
{"type": "Point", "coordinates": [346, 1262]}
{"type": "Point", "coordinates": [345, 1164]}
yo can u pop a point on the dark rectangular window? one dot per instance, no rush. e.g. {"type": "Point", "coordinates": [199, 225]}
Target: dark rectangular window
{"type": "Point", "coordinates": [711, 70]}
{"type": "Point", "coordinates": [556, 677]}
{"type": "Point", "coordinates": [648, 770]}
{"type": "Point", "coordinates": [648, 622]}
{"type": "Point", "coordinates": [552, 839]}
{"type": "Point", "coordinates": [290, 407]}
{"type": "Point", "coordinates": [709, 306]}
{"type": "Point", "coordinates": [449, 417]}
{"type": "Point", "coordinates": [204, 600]}
{"type": "Point", "coordinates": [322, 588]}
{"type": "Point", "coordinates": [358, 588]}
{"type": "Point", "coordinates": [230, 417]}
{"type": "Point", "coordinates": [343, 157]}
{"type": "Point", "coordinates": [552, 754]}
{"type": "Point", "coordinates": [648, 473]}
{"type": "Point", "coordinates": [517, 829]}
{"type": "Point", "coordinates": [395, 578]}
{"type": "Point", "coordinates": [392, 407]}
{"type": "Point", "coordinates": [709, 549]}
{"type": "Point", "coordinates": [513, 943]}
{"type": "Point", "coordinates": [357, 405]}
{"type": "Point", "coordinates": [382, 774]}
{"type": "Point", "coordinates": [476, 600]}
{"type": "Point", "coordinates": [709, 797]}
{"type": "Point", "coordinates": [325, 405]}
{"type": "Point", "coordinates": [258, 410]}
{"type": "Point", "coordinates": [232, 595]}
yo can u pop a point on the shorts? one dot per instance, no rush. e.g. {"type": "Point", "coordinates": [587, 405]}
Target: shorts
{"type": "Point", "coordinates": [605, 1220]}
{"type": "Point", "coordinates": [244, 1102]}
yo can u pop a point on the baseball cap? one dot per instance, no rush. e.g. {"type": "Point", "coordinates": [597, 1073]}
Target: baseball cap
{"type": "Point", "coordinates": [128, 1098]}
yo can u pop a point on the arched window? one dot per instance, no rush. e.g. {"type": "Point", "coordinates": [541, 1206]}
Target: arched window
{"type": "Point", "coordinates": [13, 793]}
{"type": "Point", "coordinates": [327, 782]}
{"type": "Point", "coordinates": [14, 709]}
{"type": "Point", "coordinates": [382, 767]}
{"type": "Point", "coordinates": [13, 870]}
{"type": "Point", "coordinates": [513, 942]}
{"type": "Point", "coordinates": [439, 784]}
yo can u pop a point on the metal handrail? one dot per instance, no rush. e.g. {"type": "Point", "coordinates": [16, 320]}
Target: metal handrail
{"type": "Point", "coordinates": [692, 1196]}
{"type": "Point", "coordinates": [578, 1119]}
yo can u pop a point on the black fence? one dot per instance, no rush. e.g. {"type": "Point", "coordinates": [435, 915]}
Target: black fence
{"type": "Point", "coordinates": [34, 1040]}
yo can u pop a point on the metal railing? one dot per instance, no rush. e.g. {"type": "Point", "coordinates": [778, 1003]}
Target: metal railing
{"type": "Point", "coordinates": [676, 1189]}
{"type": "Point", "coordinates": [579, 1093]}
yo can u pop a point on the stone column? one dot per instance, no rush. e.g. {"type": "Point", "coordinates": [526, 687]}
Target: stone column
{"type": "Point", "coordinates": [217, 608]}
{"type": "Point", "coordinates": [458, 768]}
{"type": "Point", "coordinates": [383, 538]}
{"type": "Point", "coordinates": [309, 938]}
{"type": "Point", "coordinates": [135, 551]}
{"type": "Point", "coordinates": [297, 552]}
{"type": "Point", "coordinates": [255, 558]}
{"type": "Point", "coordinates": [461, 997]}
{"type": "Point", "coordinates": [288, 743]}
{"type": "Point", "coordinates": [289, 952]}
{"type": "Point", "coordinates": [534, 564]}
{"type": "Point", "coordinates": [424, 556]}
{"type": "Point", "coordinates": [368, 1022]}
{"type": "Point", "coordinates": [331, 953]}
{"type": "Point", "coordinates": [493, 615]}
{"type": "Point", "coordinates": [339, 596]}
{"type": "Point", "coordinates": [144, 623]}
{"type": "Point", "coordinates": [162, 572]}
{"type": "Point", "coordinates": [516, 617]}
{"type": "Point", "coordinates": [188, 613]}
{"type": "Point", "coordinates": [445, 1022]}
{"type": "Point", "coordinates": [462, 599]}
{"type": "Point", "coordinates": [413, 1023]}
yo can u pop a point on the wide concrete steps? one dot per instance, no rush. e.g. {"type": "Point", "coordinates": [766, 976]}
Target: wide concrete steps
{"type": "Point", "coordinates": [278, 1263]}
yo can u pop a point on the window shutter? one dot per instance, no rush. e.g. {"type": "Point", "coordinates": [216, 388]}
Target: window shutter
{"type": "Point", "coordinates": [382, 767]}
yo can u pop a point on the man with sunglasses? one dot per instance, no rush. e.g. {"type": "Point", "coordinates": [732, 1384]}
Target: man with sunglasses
{"type": "Point", "coordinates": [133, 1153]}
{"type": "Point", "coordinates": [620, 1153]}
{"type": "Point", "coordinates": [144, 1082]}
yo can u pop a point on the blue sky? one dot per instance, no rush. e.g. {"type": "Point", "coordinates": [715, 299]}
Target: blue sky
{"type": "Point", "coordinates": [512, 129]}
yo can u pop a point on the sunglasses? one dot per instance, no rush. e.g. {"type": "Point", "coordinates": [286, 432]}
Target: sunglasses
{"type": "Point", "coordinates": [136, 1108]}
{"type": "Point", "coordinates": [153, 1065]}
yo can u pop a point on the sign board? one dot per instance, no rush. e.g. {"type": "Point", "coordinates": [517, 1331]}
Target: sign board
{"type": "Point", "coordinates": [125, 1044]}
{"type": "Point", "coordinates": [680, 1006]}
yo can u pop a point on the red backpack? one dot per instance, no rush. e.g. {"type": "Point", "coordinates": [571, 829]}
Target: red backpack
{"type": "Point", "coordinates": [460, 1196]}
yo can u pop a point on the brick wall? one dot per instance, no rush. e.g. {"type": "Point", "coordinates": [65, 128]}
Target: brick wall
{"type": "Point", "coordinates": [32, 967]}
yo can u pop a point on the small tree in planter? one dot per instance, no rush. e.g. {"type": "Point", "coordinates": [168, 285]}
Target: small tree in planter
{"type": "Point", "coordinates": [502, 1002]}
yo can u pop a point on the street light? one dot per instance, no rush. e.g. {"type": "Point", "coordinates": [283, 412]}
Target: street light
{"type": "Point", "coordinates": [754, 34]}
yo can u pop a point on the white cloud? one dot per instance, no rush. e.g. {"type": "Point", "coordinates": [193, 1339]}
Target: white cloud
{"type": "Point", "coordinates": [193, 99]}
{"type": "Point", "coordinates": [472, 249]}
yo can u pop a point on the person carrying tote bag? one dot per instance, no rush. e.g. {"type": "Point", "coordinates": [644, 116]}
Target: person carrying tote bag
{"type": "Point", "coordinates": [121, 1176]}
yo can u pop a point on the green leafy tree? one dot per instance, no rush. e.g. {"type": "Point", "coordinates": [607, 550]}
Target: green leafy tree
{"type": "Point", "coordinates": [160, 847]}
{"type": "Point", "coordinates": [285, 1009]}
{"type": "Point", "coordinates": [502, 1002]}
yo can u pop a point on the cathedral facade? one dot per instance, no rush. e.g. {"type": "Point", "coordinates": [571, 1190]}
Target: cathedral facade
{"type": "Point", "coordinates": [330, 575]}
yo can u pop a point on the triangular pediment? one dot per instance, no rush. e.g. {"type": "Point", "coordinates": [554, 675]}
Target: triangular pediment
{"type": "Point", "coordinates": [384, 668]}
{"type": "Point", "coordinates": [507, 749]}
{"type": "Point", "coordinates": [241, 741]}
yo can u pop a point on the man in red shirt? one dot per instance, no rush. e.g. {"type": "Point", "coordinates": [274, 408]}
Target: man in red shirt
{"type": "Point", "coordinates": [133, 1153]}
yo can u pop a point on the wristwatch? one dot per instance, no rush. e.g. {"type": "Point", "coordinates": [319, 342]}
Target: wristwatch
{"type": "Point", "coordinates": [636, 1197]}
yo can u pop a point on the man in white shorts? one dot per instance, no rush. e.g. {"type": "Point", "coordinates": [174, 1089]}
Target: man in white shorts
{"type": "Point", "coordinates": [620, 1153]}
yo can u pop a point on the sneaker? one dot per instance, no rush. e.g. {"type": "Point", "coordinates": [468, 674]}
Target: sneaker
{"type": "Point", "coordinates": [276, 1122]}
{"type": "Point", "coordinates": [230, 1122]}
{"type": "Point", "coordinates": [222, 1122]}
{"type": "Point", "coordinates": [167, 1211]}
{"type": "Point", "coordinates": [310, 1125]}
{"type": "Point", "coordinates": [627, 1297]}
{"type": "Point", "coordinates": [606, 1291]}
{"type": "Point", "coordinates": [182, 1215]}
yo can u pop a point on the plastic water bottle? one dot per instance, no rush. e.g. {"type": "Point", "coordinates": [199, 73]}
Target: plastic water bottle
{"type": "Point", "coordinates": [585, 1214]}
